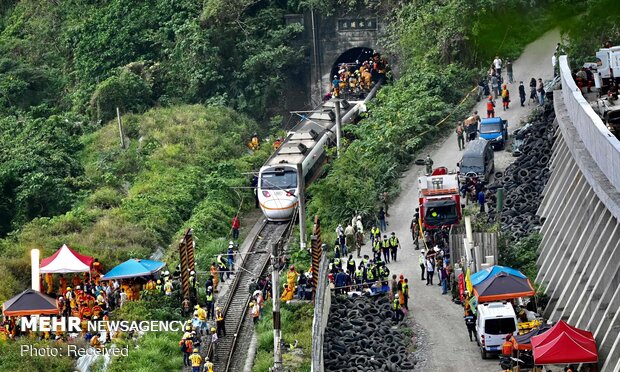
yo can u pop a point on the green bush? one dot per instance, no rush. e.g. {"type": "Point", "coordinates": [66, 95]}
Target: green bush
{"type": "Point", "coordinates": [11, 358]}
{"type": "Point", "coordinates": [127, 91]}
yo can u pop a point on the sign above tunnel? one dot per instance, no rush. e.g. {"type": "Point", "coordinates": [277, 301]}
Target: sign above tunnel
{"type": "Point", "coordinates": [357, 24]}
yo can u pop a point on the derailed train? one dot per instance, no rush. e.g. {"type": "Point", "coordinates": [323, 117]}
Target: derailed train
{"type": "Point", "coordinates": [305, 144]}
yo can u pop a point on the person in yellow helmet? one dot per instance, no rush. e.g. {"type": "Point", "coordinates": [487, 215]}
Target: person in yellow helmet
{"type": "Point", "coordinates": [208, 365]}
{"type": "Point", "coordinates": [219, 322]}
{"type": "Point", "coordinates": [196, 360]}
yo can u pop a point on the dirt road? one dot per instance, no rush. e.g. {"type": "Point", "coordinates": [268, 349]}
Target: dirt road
{"type": "Point", "coordinates": [443, 343]}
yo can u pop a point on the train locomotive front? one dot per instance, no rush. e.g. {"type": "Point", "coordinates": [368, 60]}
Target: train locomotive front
{"type": "Point", "coordinates": [278, 191]}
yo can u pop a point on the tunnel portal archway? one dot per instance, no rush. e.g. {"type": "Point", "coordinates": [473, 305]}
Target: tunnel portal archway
{"type": "Point", "coordinates": [350, 56]}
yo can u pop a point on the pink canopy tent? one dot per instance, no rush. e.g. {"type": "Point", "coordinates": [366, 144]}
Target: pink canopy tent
{"type": "Point", "coordinates": [66, 260]}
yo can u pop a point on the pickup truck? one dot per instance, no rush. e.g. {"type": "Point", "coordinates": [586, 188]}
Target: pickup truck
{"type": "Point", "coordinates": [494, 130]}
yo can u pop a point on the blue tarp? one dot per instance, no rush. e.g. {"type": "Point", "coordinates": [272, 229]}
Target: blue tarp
{"type": "Point", "coordinates": [133, 268]}
{"type": "Point", "coordinates": [490, 272]}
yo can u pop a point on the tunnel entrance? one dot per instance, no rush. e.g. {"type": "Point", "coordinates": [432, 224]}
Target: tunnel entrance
{"type": "Point", "coordinates": [350, 56]}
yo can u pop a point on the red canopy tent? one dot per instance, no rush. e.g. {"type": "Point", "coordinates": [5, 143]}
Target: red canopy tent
{"type": "Point", "coordinates": [565, 350]}
{"type": "Point", "coordinates": [66, 260]}
{"type": "Point", "coordinates": [564, 344]}
{"type": "Point", "coordinates": [559, 327]}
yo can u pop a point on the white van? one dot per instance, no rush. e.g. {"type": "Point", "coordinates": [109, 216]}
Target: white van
{"type": "Point", "coordinates": [495, 321]}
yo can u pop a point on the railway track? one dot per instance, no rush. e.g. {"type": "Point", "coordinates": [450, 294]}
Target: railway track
{"type": "Point", "coordinates": [230, 352]}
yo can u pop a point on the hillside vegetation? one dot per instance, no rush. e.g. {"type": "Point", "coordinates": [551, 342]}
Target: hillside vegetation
{"type": "Point", "coordinates": [187, 77]}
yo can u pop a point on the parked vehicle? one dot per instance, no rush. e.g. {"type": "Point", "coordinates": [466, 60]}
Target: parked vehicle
{"type": "Point", "coordinates": [478, 161]}
{"type": "Point", "coordinates": [439, 198]}
{"type": "Point", "coordinates": [495, 321]}
{"type": "Point", "coordinates": [494, 130]}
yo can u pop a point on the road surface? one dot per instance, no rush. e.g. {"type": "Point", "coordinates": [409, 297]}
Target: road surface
{"type": "Point", "coordinates": [442, 340]}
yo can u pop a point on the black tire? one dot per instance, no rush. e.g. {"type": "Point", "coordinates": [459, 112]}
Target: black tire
{"type": "Point", "coordinates": [419, 162]}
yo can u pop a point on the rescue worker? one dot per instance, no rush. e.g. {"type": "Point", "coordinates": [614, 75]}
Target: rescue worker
{"type": "Point", "coordinates": [63, 284]}
{"type": "Point", "coordinates": [287, 295]}
{"type": "Point", "coordinates": [219, 322]}
{"type": "Point", "coordinates": [490, 108]}
{"type": "Point", "coordinates": [405, 293]}
{"type": "Point", "coordinates": [49, 283]}
{"type": "Point", "coordinates": [359, 275]}
{"type": "Point", "coordinates": [222, 264]}
{"type": "Point", "coordinates": [158, 287]}
{"type": "Point", "coordinates": [210, 302]}
{"type": "Point", "coordinates": [429, 164]}
{"type": "Point", "coordinates": [507, 346]}
{"type": "Point", "coordinates": [168, 288]}
{"type": "Point", "coordinates": [460, 136]}
{"type": "Point", "coordinates": [95, 342]}
{"type": "Point", "coordinates": [505, 97]}
{"type": "Point", "coordinates": [291, 278]}
{"type": "Point", "coordinates": [394, 245]}
{"type": "Point", "coordinates": [254, 312]}
{"type": "Point", "coordinates": [385, 247]}
{"type": "Point", "coordinates": [202, 316]}
{"type": "Point", "coordinates": [208, 366]}
{"type": "Point", "coordinates": [215, 276]}
{"type": "Point", "coordinates": [397, 313]}
{"type": "Point", "coordinates": [187, 347]}
{"type": "Point", "coordinates": [254, 142]}
{"type": "Point", "coordinates": [376, 249]}
{"type": "Point", "coordinates": [235, 227]}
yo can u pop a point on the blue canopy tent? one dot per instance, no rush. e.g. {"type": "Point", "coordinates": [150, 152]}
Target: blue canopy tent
{"type": "Point", "coordinates": [490, 272]}
{"type": "Point", "coordinates": [133, 268]}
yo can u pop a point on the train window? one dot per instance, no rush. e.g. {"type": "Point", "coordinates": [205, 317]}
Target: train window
{"type": "Point", "coordinates": [282, 180]}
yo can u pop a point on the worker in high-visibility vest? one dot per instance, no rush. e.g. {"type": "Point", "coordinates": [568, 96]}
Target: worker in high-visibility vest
{"type": "Point", "coordinates": [196, 360]}
{"type": "Point", "coordinates": [219, 322]}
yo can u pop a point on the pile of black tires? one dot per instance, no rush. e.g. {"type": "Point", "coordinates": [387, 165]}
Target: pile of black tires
{"type": "Point", "coordinates": [360, 336]}
{"type": "Point", "coordinates": [525, 179]}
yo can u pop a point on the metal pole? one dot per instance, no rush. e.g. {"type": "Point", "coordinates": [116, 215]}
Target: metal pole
{"type": "Point", "coordinates": [315, 48]}
{"type": "Point", "coordinates": [338, 124]}
{"type": "Point", "coordinates": [275, 294]}
{"type": "Point", "coordinates": [302, 207]}
{"type": "Point", "coordinates": [120, 127]}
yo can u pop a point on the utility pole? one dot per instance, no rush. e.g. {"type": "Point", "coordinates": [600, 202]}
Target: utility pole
{"type": "Point", "coordinates": [120, 127]}
{"type": "Point", "coordinates": [275, 295]}
{"type": "Point", "coordinates": [336, 102]}
{"type": "Point", "coordinates": [302, 207]}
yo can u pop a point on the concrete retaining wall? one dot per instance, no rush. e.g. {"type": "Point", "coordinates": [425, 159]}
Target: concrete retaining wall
{"type": "Point", "coordinates": [322, 304]}
{"type": "Point", "coordinates": [579, 262]}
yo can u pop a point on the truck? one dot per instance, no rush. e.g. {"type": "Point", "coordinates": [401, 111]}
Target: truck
{"type": "Point", "coordinates": [439, 198]}
{"type": "Point", "coordinates": [494, 130]}
{"type": "Point", "coordinates": [495, 321]}
{"type": "Point", "coordinates": [608, 68]}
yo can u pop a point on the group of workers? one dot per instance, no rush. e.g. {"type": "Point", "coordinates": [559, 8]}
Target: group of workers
{"type": "Point", "coordinates": [197, 327]}
{"type": "Point", "coordinates": [358, 77]}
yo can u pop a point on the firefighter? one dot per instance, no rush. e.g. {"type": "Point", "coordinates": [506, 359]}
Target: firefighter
{"type": "Point", "coordinates": [429, 164]}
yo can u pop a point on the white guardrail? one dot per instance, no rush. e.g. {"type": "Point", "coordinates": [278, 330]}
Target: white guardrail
{"type": "Point", "coordinates": [600, 143]}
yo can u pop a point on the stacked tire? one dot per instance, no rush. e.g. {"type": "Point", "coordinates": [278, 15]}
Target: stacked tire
{"type": "Point", "coordinates": [360, 336]}
{"type": "Point", "coordinates": [525, 179]}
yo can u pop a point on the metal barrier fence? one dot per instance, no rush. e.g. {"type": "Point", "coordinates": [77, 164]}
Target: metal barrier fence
{"type": "Point", "coordinates": [599, 142]}
{"type": "Point", "coordinates": [322, 303]}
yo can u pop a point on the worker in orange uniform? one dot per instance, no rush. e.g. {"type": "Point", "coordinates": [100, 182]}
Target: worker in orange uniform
{"type": "Point", "coordinates": [291, 278]}
{"type": "Point", "coordinates": [490, 108]}
{"type": "Point", "coordinates": [288, 294]}
{"type": "Point", "coordinates": [254, 142]}
{"type": "Point", "coordinates": [216, 277]}
{"type": "Point", "coordinates": [76, 281]}
{"type": "Point", "coordinates": [507, 347]}
{"type": "Point", "coordinates": [49, 283]}
{"type": "Point", "coordinates": [63, 284]}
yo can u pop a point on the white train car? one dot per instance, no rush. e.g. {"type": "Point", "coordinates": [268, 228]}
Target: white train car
{"type": "Point", "coordinates": [278, 181]}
